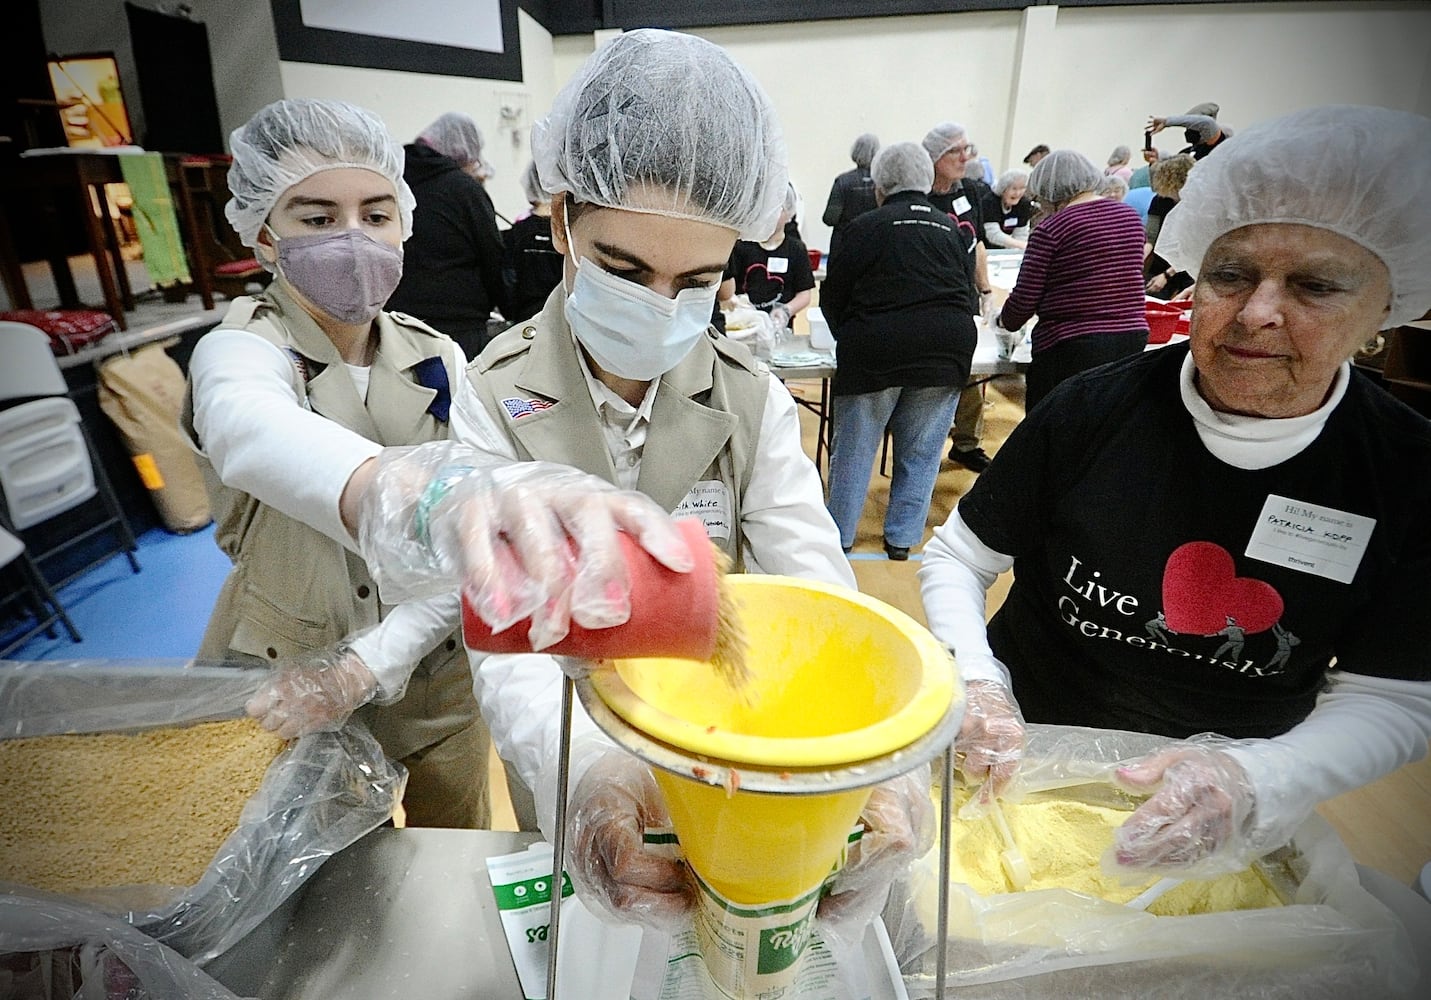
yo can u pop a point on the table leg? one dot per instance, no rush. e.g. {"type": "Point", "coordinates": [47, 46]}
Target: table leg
{"type": "Point", "coordinates": [11, 270]}
{"type": "Point", "coordinates": [823, 435]}
{"type": "Point", "coordinates": [111, 240]}
{"type": "Point", "coordinates": [95, 233]}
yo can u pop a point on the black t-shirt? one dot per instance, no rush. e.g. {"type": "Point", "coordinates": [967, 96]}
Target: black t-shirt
{"type": "Point", "coordinates": [961, 203]}
{"type": "Point", "coordinates": [768, 277]}
{"type": "Point", "coordinates": [1006, 219]}
{"type": "Point", "coordinates": [535, 262]}
{"type": "Point", "coordinates": [1135, 604]}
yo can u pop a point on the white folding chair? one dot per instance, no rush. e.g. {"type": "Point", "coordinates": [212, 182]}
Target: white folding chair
{"type": "Point", "coordinates": [43, 605]}
{"type": "Point", "coordinates": [48, 465]}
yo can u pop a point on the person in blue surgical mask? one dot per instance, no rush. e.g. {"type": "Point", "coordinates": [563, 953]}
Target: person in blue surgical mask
{"type": "Point", "coordinates": [328, 427]}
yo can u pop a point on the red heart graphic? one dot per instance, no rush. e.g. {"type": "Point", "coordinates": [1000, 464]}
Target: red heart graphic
{"type": "Point", "coordinates": [1201, 590]}
{"type": "Point", "coordinates": [763, 294]}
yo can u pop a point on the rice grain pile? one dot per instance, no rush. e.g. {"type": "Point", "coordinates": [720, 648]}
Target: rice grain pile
{"type": "Point", "coordinates": [112, 809]}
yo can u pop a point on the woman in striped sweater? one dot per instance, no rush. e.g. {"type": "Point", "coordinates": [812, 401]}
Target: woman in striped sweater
{"type": "Point", "coordinates": [1082, 274]}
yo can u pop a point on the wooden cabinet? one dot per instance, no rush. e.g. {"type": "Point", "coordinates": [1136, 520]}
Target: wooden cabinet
{"type": "Point", "coordinates": [1407, 371]}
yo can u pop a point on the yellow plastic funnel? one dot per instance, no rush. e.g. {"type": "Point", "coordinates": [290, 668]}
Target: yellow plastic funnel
{"type": "Point", "coordinates": [765, 784]}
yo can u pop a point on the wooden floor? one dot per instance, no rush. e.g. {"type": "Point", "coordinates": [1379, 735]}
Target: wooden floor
{"type": "Point", "coordinates": [1386, 825]}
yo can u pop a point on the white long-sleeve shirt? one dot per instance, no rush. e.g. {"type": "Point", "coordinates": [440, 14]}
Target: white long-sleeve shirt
{"type": "Point", "coordinates": [1361, 728]}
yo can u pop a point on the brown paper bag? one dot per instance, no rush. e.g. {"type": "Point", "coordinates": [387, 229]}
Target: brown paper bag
{"type": "Point", "coordinates": [142, 393]}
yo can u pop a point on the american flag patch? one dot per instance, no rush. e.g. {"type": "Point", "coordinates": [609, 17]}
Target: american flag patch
{"type": "Point", "coordinates": [519, 408]}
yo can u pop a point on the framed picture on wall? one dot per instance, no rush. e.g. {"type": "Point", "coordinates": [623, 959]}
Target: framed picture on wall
{"type": "Point", "coordinates": [475, 38]}
{"type": "Point", "coordinates": [90, 99]}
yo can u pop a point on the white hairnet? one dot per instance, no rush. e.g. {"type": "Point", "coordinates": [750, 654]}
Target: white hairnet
{"type": "Point", "coordinates": [942, 138]}
{"type": "Point", "coordinates": [1009, 178]}
{"type": "Point", "coordinates": [662, 122]}
{"type": "Point", "coordinates": [1119, 156]}
{"type": "Point", "coordinates": [532, 186]}
{"type": "Point", "coordinates": [864, 148]}
{"type": "Point", "coordinates": [456, 136]}
{"type": "Point", "coordinates": [291, 140]}
{"type": "Point", "coordinates": [1062, 176]}
{"type": "Point", "coordinates": [1357, 171]}
{"type": "Point", "coordinates": [902, 166]}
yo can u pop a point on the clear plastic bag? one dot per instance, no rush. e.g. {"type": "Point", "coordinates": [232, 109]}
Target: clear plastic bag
{"type": "Point", "coordinates": [55, 948]}
{"type": "Point", "coordinates": [322, 792]}
{"type": "Point", "coordinates": [1333, 939]}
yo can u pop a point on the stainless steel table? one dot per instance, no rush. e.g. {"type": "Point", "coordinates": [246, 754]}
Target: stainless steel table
{"type": "Point", "coordinates": [400, 914]}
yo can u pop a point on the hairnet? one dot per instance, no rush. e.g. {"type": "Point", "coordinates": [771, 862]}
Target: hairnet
{"type": "Point", "coordinates": [661, 122]}
{"type": "Point", "coordinates": [456, 136]}
{"type": "Point", "coordinates": [942, 138]}
{"type": "Point", "coordinates": [1113, 186]}
{"type": "Point", "coordinates": [532, 186]}
{"type": "Point", "coordinates": [291, 140]}
{"type": "Point", "coordinates": [1063, 175]}
{"type": "Point", "coordinates": [1357, 171]}
{"type": "Point", "coordinates": [903, 166]}
{"type": "Point", "coordinates": [791, 201]}
{"type": "Point", "coordinates": [1039, 150]}
{"type": "Point", "coordinates": [863, 150]}
{"type": "Point", "coordinates": [1119, 156]}
{"type": "Point", "coordinates": [1205, 108]}
{"type": "Point", "coordinates": [1009, 178]}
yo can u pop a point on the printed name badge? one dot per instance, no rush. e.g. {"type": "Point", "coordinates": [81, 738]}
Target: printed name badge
{"type": "Point", "coordinates": [778, 265]}
{"type": "Point", "coordinates": [961, 205]}
{"type": "Point", "coordinates": [709, 501]}
{"type": "Point", "coordinates": [1012, 222]}
{"type": "Point", "coordinates": [1309, 538]}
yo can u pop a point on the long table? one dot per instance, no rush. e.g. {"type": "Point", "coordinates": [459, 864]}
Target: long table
{"type": "Point", "coordinates": [988, 364]}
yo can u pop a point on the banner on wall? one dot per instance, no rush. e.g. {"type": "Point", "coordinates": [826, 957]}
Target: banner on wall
{"type": "Point", "coordinates": [476, 38]}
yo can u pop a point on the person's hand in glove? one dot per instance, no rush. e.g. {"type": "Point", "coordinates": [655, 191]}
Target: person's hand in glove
{"type": "Point", "coordinates": [314, 694]}
{"type": "Point", "coordinates": [780, 316]}
{"type": "Point", "coordinates": [990, 305]}
{"type": "Point", "coordinates": [991, 738]}
{"type": "Point", "coordinates": [529, 539]}
{"type": "Point", "coordinates": [898, 826]}
{"type": "Point", "coordinates": [610, 863]}
{"type": "Point", "coordinates": [1196, 820]}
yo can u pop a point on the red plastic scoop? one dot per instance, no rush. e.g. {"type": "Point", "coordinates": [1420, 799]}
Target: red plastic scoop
{"type": "Point", "coordinates": [672, 614]}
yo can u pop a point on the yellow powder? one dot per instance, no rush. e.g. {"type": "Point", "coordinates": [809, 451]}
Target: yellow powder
{"type": "Point", "coordinates": [1064, 840]}
{"type": "Point", "coordinates": [111, 809]}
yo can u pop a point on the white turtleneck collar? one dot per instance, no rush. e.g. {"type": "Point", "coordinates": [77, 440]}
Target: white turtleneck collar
{"type": "Point", "coordinates": [1256, 442]}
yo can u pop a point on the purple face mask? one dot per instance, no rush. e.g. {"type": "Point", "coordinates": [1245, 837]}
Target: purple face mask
{"type": "Point", "coordinates": [347, 274]}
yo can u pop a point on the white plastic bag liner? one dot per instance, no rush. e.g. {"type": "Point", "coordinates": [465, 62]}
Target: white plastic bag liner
{"type": "Point", "coordinates": [1333, 941]}
{"type": "Point", "coordinates": [319, 795]}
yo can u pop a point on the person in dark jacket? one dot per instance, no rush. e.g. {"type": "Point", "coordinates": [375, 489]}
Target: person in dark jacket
{"type": "Point", "coordinates": [852, 194]}
{"type": "Point", "coordinates": [452, 268]}
{"type": "Point", "coordinates": [900, 301]}
{"type": "Point", "coordinates": [536, 264]}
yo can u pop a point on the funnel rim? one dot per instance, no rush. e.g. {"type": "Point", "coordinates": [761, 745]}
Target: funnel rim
{"type": "Point", "coordinates": [764, 779]}
{"type": "Point", "coordinates": [938, 687]}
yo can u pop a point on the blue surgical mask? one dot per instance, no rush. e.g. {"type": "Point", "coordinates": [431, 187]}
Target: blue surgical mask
{"type": "Point", "coordinates": [629, 330]}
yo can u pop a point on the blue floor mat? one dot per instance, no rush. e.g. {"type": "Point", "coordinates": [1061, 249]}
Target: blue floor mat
{"type": "Point", "coordinates": [159, 612]}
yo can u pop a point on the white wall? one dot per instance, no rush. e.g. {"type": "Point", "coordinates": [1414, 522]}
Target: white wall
{"type": "Point", "coordinates": [1090, 82]}
{"type": "Point", "coordinates": [408, 102]}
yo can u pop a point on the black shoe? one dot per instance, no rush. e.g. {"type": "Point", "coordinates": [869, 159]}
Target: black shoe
{"type": "Point", "coordinates": [974, 459]}
{"type": "Point", "coordinates": [896, 553]}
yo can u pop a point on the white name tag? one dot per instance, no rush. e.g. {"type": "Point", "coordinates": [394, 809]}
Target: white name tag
{"type": "Point", "coordinates": [1322, 541]}
{"type": "Point", "coordinates": [961, 205]}
{"type": "Point", "coordinates": [777, 265]}
{"type": "Point", "coordinates": [709, 501]}
{"type": "Point", "coordinates": [1012, 222]}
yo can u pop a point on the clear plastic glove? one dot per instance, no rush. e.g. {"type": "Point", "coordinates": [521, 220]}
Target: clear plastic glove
{"type": "Point", "coordinates": [991, 738]}
{"type": "Point", "coordinates": [529, 539]}
{"type": "Point", "coordinates": [899, 829]}
{"type": "Point", "coordinates": [989, 308]}
{"type": "Point", "coordinates": [1196, 822]}
{"type": "Point", "coordinates": [610, 864]}
{"type": "Point", "coordinates": [315, 694]}
{"type": "Point", "coordinates": [780, 317]}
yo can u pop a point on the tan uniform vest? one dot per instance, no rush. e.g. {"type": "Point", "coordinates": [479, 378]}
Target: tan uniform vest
{"type": "Point", "coordinates": [293, 589]}
{"type": "Point", "coordinates": [705, 420]}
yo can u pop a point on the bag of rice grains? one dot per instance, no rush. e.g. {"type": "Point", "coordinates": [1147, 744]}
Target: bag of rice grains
{"type": "Point", "coordinates": [138, 789]}
{"type": "Point", "coordinates": [1297, 925]}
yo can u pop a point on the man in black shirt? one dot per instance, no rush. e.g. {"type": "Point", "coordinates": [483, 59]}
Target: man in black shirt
{"type": "Point", "coordinates": [853, 193]}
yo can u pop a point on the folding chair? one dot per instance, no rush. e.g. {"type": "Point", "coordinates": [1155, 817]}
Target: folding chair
{"type": "Point", "coordinates": [43, 604]}
{"type": "Point", "coordinates": [48, 465]}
